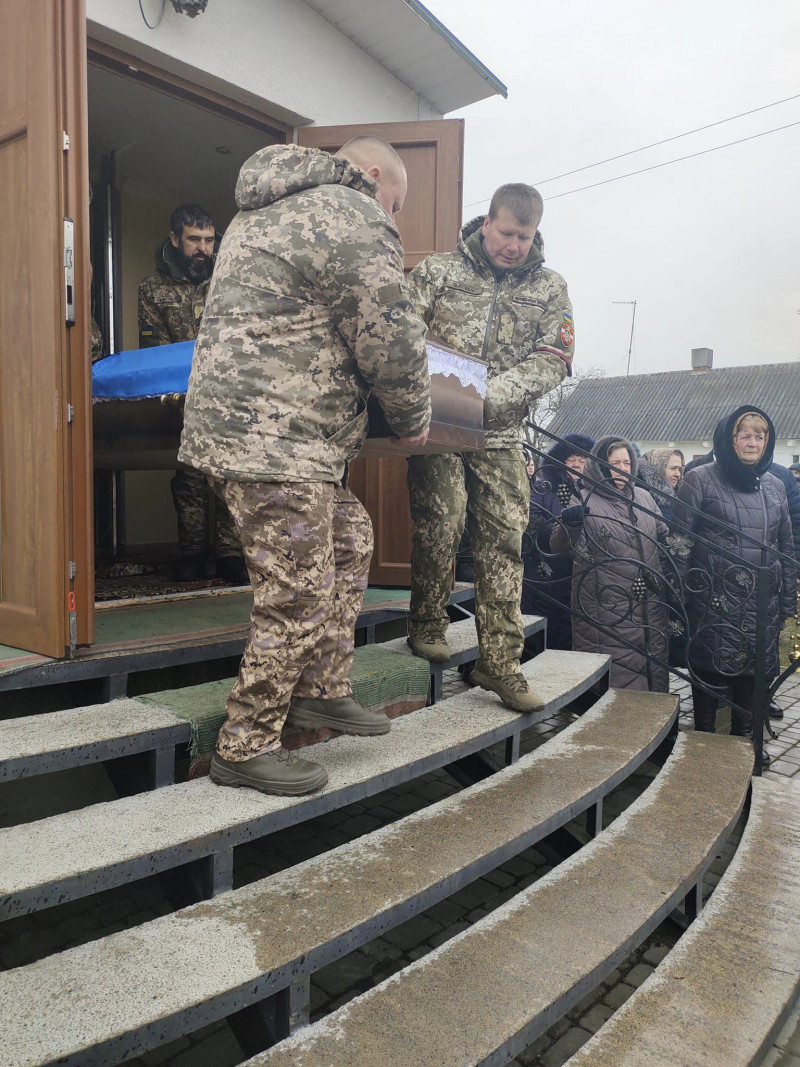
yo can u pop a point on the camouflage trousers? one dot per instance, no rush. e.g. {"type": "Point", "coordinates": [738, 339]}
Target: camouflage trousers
{"type": "Point", "coordinates": [492, 489]}
{"type": "Point", "coordinates": [307, 546]}
{"type": "Point", "coordinates": [190, 494]}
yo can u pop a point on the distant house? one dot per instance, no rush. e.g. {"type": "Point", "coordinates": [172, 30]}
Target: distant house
{"type": "Point", "coordinates": [680, 409]}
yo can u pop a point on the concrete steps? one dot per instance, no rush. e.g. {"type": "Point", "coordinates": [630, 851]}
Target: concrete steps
{"type": "Point", "coordinates": [40, 744]}
{"type": "Point", "coordinates": [462, 637]}
{"type": "Point", "coordinates": [486, 994]}
{"type": "Point", "coordinates": [117, 997]}
{"type": "Point", "coordinates": [723, 993]}
{"type": "Point", "coordinates": [93, 849]}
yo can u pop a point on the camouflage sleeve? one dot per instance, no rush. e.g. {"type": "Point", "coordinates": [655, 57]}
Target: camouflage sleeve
{"type": "Point", "coordinates": [153, 329]}
{"type": "Point", "coordinates": [556, 333]}
{"type": "Point", "coordinates": [370, 306]}
{"type": "Point", "coordinates": [422, 289]}
{"type": "Point", "coordinates": [508, 395]}
{"type": "Point", "coordinates": [98, 344]}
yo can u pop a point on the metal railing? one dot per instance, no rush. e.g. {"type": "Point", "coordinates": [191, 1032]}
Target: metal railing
{"type": "Point", "coordinates": [664, 599]}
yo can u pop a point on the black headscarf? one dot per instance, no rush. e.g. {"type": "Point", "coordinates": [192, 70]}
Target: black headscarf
{"type": "Point", "coordinates": [743, 476]}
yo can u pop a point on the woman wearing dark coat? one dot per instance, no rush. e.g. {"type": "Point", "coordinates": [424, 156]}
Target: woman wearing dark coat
{"type": "Point", "coordinates": [546, 575]}
{"type": "Point", "coordinates": [738, 489]}
{"type": "Point", "coordinates": [617, 580]}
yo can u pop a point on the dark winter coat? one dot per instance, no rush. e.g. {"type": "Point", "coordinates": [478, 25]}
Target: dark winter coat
{"type": "Point", "coordinates": [617, 578]}
{"type": "Point", "coordinates": [547, 575]}
{"type": "Point", "coordinates": [723, 611]}
{"type": "Point", "coordinates": [789, 484]}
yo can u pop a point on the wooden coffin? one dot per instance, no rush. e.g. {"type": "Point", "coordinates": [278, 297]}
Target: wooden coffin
{"type": "Point", "coordinates": [144, 434]}
{"type": "Point", "coordinates": [458, 390]}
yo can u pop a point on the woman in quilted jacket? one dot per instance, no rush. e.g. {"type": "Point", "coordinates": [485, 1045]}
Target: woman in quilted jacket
{"type": "Point", "coordinates": [721, 603]}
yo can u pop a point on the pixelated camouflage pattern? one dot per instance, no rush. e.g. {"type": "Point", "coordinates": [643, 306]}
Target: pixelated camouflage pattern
{"type": "Point", "coordinates": [307, 546]}
{"type": "Point", "coordinates": [98, 343]}
{"type": "Point", "coordinates": [170, 307]}
{"type": "Point", "coordinates": [190, 494]}
{"type": "Point", "coordinates": [307, 313]}
{"type": "Point", "coordinates": [170, 310]}
{"type": "Point", "coordinates": [493, 488]}
{"type": "Point", "coordinates": [519, 324]}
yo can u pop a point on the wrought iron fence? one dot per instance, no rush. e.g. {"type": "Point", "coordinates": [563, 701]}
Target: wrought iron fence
{"type": "Point", "coordinates": [637, 582]}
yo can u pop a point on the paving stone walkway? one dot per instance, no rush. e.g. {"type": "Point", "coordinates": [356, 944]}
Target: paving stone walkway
{"type": "Point", "coordinates": [25, 939]}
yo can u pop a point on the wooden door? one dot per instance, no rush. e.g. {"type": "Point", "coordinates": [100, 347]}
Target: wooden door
{"type": "Point", "coordinates": [429, 222]}
{"type": "Point", "coordinates": [45, 514]}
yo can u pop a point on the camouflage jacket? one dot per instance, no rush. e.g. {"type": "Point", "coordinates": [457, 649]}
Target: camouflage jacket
{"type": "Point", "coordinates": [307, 313]}
{"type": "Point", "coordinates": [520, 324]}
{"type": "Point", "coordinates": [170, 306]}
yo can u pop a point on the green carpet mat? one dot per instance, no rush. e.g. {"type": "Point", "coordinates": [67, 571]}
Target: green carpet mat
{"type": "Point", "coordinates": [381, 678]}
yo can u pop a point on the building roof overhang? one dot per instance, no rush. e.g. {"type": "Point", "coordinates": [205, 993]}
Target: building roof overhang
{"type": "Point", "coordinates": [406, 39]}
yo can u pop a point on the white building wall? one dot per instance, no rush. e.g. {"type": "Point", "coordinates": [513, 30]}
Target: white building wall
{"type": "Point", "coordinates": [279, 56]}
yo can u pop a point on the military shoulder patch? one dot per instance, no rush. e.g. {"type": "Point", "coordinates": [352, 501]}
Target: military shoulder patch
{"type": "Point", "coordinates": [390, 294]}
{"type": "Point", "coordinates": [567, 333]}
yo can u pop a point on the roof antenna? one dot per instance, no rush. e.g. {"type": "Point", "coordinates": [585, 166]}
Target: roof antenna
{"type": "Point", "coordinates": [630, 303]}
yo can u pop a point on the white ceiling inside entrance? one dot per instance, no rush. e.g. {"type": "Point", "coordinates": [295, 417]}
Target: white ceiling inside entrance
{"type": "Point", "coordinates": [166, 149]}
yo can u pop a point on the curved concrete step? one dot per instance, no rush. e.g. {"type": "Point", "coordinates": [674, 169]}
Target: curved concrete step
{"type": "Point", "coordinates": [504, 981]}
{"type": "Point", "coordinates": [39, 744]}
{"type": "Point", "coordinates": [81, 852]}
{"type": "Point", "coordinates": [723, 993]}
{"type": "Point", "coordinates": [462, 637]}
{"type": "Point", "coordinates": [120, 996]}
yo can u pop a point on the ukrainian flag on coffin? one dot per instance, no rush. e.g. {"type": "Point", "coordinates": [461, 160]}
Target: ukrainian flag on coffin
{"type": "Point", "coordinates": [143, 372]}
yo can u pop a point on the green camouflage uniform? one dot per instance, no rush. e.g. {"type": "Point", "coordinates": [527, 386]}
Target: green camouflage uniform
{"type": "Point", "coordinates": [170, 310]}
{"type": "Point", "coordinates": [520, 322]}
{"type": "Point", "coordinates": [307, 313]}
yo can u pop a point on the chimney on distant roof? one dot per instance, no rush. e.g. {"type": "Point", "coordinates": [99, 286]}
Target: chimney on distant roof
{"type": "Point", "coordinates": [702, 358]}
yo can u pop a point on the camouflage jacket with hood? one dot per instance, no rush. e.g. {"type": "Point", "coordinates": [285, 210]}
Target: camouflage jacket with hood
{"type": "Point", "coordinates": [170, 306]}
{"type": "Point", "coordinates": [307, 313]}
{"type": "Point", "coordinates": [518, 320]}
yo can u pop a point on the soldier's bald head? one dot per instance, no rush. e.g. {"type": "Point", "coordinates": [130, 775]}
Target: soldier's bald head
{"type": "Point", "coordinates": [379, 160]}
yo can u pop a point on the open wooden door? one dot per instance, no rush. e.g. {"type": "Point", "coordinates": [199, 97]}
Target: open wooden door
{"type": "Point", "coordinates": [45, 512]}
{"type": "Point", "coordinates": [429, 222]}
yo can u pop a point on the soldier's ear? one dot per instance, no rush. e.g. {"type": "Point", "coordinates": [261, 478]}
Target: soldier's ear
{"type": "Point", "coordinates": [175, 239]}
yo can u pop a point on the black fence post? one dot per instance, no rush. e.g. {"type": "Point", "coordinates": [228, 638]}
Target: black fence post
{"type": "Point", "coordinates": [761, 687]}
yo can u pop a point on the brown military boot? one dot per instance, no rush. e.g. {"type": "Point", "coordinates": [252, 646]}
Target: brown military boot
{"type": "Point", "coordinates": [279, 772]}
{"type": "Point", "coordinates": [432, 647]}
{"type": "Point", "coordinates": [512, 689]}
{"type": "Point", "coordinates": [344, 714]}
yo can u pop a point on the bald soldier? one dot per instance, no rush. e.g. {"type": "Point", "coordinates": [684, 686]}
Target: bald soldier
{"type": "Point", "coordinates": [493, 298]}
{"type": "Point", "coordinates": [306, 315]}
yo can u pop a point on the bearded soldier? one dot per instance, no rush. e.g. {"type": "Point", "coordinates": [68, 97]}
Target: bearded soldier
{"type": "Point", "coordinates": [493, 299]}
{"type": "Point", "coordinates": [171, 304]}
{"type": "Point", "coordinates": [308, 313]}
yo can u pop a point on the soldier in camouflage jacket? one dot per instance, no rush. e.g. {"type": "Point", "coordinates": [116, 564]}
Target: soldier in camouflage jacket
{"type": "Point", "coordinates": [170, 307]}
{"type": "Point", "coordinates": [493, 299]}
{"type": "Point", "coordinates": [307, 314]}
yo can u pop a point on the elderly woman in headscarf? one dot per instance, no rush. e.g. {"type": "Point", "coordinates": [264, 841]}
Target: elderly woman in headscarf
{"type": "Point", "coordinates": [722, 604]}
{"type": "Point", "coordinates": [618, 590]}
{"type": "Point", "coordinates": [662, 468]}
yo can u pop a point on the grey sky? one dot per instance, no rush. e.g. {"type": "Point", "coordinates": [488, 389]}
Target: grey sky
{"type": "Point", "coordinates": [708, 247]}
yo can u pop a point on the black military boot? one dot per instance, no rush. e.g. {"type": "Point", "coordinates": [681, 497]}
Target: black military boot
{"type": "Point", "coordinates": [189, 569]}
{"type": "Point", "coordinates": [232, 569]}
